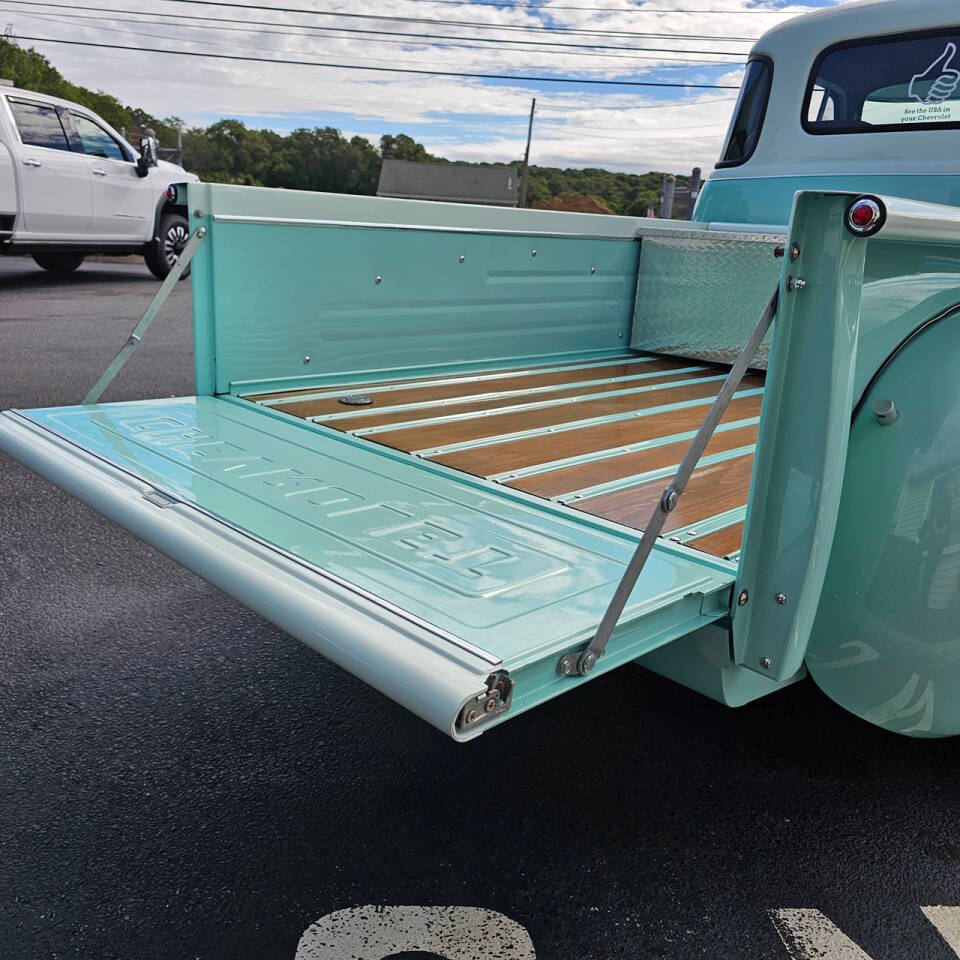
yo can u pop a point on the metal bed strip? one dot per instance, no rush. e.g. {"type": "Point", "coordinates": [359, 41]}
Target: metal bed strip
{"type": "Point", "coordinates": [524, 407]}
{"type": "Point", "coordinates": [575, 425]}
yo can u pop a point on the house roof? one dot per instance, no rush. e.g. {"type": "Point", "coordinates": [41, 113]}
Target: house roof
{"type": "Point", "coordinates": [461, 182]}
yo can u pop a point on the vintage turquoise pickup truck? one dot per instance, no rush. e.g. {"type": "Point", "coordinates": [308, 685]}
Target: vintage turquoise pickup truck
{"type": "Point", "coordinates": [479, 457]}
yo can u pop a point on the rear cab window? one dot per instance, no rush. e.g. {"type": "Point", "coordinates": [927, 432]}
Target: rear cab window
{"type": "Point", "coordinates": [748, 115]}
{"type": "Point", "coordinates": [38, 124]}
{"type": "Point", "coordinates": [886, 84]}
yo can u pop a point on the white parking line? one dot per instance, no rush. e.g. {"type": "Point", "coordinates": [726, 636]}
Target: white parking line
{"type": "Point", "coordinates": [947, 922]}
{"type": "Point", "coordinates": [455, 933]}
{"type": "Point", "coordinates": [809, 935]}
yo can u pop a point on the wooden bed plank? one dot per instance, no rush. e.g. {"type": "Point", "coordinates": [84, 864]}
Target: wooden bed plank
{"type": "Point", "coordinates": [528, 452]}
{"type": "Point", "coordinates": [722, 542]}
{"type": "Point", "coordinates": [568, 479]}
{"type": "Point", "coordinates": [414, 394]}
{"type": "Point", "coordinates": [472, 406]}
{"type": "Point", "coordinates": [712, 490]}
{"type": "Point", "coordinates": [418, 438]}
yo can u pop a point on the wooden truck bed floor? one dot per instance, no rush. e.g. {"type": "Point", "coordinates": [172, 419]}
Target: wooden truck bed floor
{"type": "Point", "coordinates": [599, 436]}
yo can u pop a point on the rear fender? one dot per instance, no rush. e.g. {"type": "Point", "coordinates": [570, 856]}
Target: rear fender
{"type": "Point", "coordinates": [886, 641]}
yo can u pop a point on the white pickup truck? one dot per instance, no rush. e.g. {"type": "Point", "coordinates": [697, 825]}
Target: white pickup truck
{"type": "Point", "coordinates": [71, 186]}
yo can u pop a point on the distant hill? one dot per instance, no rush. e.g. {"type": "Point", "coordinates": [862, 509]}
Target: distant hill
{"type": "Point", "coordinates": [320, 158]}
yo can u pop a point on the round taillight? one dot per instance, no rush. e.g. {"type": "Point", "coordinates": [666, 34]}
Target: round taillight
{"type": "Point", "coordinates": [865, 216]}
{"type": "Point", "coordinates": [171, 193]}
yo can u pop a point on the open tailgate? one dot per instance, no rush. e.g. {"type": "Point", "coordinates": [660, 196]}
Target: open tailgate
{"type": "Point", "coordinates": [452, 597]}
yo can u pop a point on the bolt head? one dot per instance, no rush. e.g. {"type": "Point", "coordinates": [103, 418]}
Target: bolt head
{"type": "Point", "coordinates": [566, 665]}
{"type": "Point", "coordinates": [378, 279]}
{"type": "Point", "coordinates": [587, 662]}
{"type": "Point", "coordinates": [533, 253]}
{"type": "Point", "coordinates": [766, 663]}
{"type": "Point", "coordinates": [472, 716]}
{"type": "Point", "coordinates": [743, 598]}
{"type": "Point", "coordinates": [490, 705]}
{"type": "Point", "coordinates": [781, 599]}
{"type": "Point", "coordinates": [593, 269]}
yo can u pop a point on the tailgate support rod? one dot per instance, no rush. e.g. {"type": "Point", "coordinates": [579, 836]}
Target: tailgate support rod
{"type": "Point", "coordinates": [133, 341]}
{"type": "Point", "coordinates": [570, 663]}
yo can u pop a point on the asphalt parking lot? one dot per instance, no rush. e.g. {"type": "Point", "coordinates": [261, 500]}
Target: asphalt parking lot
{"type": "Point", "coordinates": [179, 779]}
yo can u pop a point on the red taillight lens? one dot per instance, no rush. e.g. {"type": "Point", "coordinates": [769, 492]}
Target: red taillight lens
{"type": "Point", "coordinates": [865, 216]}
{"type": "Point", "coordinates": [171, 192]}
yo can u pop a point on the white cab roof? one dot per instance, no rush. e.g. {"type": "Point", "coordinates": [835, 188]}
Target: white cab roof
{"type": "Point", "coordinates": [786, 149]}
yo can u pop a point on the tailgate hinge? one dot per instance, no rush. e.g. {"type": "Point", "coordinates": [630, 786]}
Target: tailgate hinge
{"type": "Point", "coordinates": [493, 702]}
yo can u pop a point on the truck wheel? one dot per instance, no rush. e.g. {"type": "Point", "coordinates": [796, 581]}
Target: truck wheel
{"type": "Point", "coordinates": [58, 262]}
{"type": "Point", "coordinates": [164, 249]}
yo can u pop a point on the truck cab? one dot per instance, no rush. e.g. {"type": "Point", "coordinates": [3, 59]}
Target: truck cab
{"type": "Point", "coordinates": [70, 185]}
{"type": "Point", "coordinates": [862, 97]}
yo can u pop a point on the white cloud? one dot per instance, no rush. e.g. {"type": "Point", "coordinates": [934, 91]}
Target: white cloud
{"type": "Point", "coordinates": [467, 119]}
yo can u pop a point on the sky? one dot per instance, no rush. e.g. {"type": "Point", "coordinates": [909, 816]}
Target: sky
{"type": "Point", "coordinates": [576, 124]}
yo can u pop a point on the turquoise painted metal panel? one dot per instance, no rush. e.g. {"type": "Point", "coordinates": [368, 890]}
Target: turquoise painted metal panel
{"type": "Point", "coordinates": [699, 295]}
{"type": "Point", "coordinates": [885, 644]}
{"type": "Point", "coordinates": [289, 298]}
{"type": "Point", "coordinates": [767, 200]}
{"type": "Point", "coordinates": [520, 584]}
{"type": "Point", "coordinates": [802, 441]}
{"type": "Point", "coordinates": [702, 662]}
{"type": "Point", "coordinates": [904, 284]}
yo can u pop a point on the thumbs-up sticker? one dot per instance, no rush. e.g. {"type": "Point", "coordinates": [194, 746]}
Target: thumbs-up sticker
{"type": "Point", "coordinates": [942, 77]}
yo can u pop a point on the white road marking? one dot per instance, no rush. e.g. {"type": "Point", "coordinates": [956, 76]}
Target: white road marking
{"type": "Point", "coordinates": [947, 922]}
{"type": "Point", "coordinates": [455, 933]}
{"type": "Point", "coordinates": [809, 935]}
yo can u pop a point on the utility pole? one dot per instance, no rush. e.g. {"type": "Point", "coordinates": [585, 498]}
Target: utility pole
{"type": "Point", "coordinates": [526, 157]}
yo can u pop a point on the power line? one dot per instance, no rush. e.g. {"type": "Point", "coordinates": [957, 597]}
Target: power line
{"type": "Point", "coordinates": [456, 23]}
{"type": "Point", "coordinates": [666, 63]}
{"type": "Point", "coordinates": [408, 70]}
{"type": "Point", "coordinates": [590, 9]}
{"type": "Point", "coordinates": [391, 33]}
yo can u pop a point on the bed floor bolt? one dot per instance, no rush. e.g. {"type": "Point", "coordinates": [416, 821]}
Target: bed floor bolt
{"type": "Point", "coordinates": [766, 663]}
{"type": "Point", "coordinates": [378, 279]}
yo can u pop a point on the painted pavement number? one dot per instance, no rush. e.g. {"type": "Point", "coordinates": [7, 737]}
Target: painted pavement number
{"type": "Point", "coordinates": [473, 933]}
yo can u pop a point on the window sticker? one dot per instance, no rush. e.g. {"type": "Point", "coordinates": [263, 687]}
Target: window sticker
{"type": "Point", "coordinates": [929, 93]}
{"type": "Point", "coordinates": [942, 77]}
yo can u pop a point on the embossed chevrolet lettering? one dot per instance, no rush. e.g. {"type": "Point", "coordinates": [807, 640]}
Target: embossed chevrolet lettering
{"type": "Point", "coordinates": [725, 448]}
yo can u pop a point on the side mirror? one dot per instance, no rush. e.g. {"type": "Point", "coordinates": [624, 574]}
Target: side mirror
{"type": "Point", "coordinates": [148, 155]}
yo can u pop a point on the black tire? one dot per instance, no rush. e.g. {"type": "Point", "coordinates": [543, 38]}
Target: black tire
{"type": "Point", "coordinates": [58, 262]}
{"type": "Point", "coordinates": [171, 238]}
